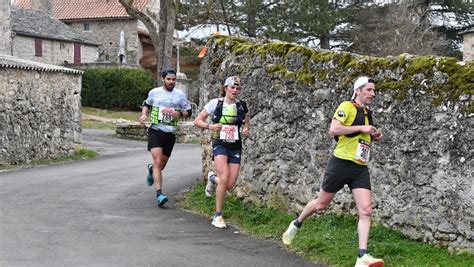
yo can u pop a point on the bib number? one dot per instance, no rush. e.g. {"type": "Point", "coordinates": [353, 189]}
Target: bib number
{"type": "Point", "coordinates": [229, 133]}
{"type": "Point", "coordinates": [363, 151]}
{"type": "Point", "coordinates": [165, 117]}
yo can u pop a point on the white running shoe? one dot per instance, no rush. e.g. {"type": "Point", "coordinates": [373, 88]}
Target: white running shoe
{"type": "Point", "coordinates": [210, 186]}
{"type": "Point", "coordinates": [218, 221]}
{"type": "Point", "coordinates": [368, 261]}
{"type": "Point", "coordinates": [290, 233]}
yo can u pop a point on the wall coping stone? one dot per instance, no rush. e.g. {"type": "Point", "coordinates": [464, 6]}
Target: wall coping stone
{"type": "Point", "coordinates": [12, 62]}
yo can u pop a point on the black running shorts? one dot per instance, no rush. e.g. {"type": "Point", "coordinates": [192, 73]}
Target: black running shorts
{"type": "Point", "coordinates": [157, 138]}
{"type": "Point", "coordinates": [340, 172]}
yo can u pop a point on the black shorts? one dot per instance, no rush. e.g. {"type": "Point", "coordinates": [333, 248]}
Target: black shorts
{"type": "Point", "coordinates": [157, 138]}
{"type": "Point", "coordinates": [340, 172]}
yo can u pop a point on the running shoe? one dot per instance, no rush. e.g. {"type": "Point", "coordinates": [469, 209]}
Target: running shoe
{"type": "Point", "coordinates": [161, 199]}
{"type": "Point", "coordinates": [290, 233]}
{"type": "Point", "coordinates": [210, 186]}
{"type": "Point", "coordinates": [218, 221]}
{"type": "Point", "coordinates": [149, 177]}
{"type": "Point", "coordinates": [368, 261]}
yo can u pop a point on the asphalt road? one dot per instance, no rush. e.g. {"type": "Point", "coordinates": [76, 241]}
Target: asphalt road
{"type": "Point", "coordinates": [100, 213]}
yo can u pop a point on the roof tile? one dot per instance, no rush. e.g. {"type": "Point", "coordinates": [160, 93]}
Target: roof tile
{"type": "Point", "coordinates": [87, 9]}
{"type": "Point", "coordinates": [39, 24]}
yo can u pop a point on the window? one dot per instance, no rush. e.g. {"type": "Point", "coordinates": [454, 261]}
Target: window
{"type": "Point", "coordinates": [87, 27]}
{"type": "Point", "coordinates": [38, 47]}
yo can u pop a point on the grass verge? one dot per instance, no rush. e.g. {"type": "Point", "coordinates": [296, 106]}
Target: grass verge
{"type": "Point", "coordinates": [79, 154]}
{"type": "Point", "coordinates": [94, 118]}
{"type": "Point", "coordinates": [91, 124]}
{"type": "Point", "coordinates": [127, 115]}
{"type": "Point", "coordinates": [328, 238]}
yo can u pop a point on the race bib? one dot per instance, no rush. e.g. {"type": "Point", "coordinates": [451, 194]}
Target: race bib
{"type": "Point", "coordinates": [363, 151]}
{"type": "Point", "coordinates": [229, 133]}
{"type": "Point", "coordinates": [165, 117]}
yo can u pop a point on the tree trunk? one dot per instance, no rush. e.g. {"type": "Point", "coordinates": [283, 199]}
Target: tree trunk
{"type": "Point", "coordinates": [324, 42]}
{"type": "Point", "coordinates": [157, 31]}
{"type": "Point", "coordinates": [162, 38]}
{"type": "Point", "coordinates": [170, 24]}
{"type": "Point", "coordinates": [251, 7]}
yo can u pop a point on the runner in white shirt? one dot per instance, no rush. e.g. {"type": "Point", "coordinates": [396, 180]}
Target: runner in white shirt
{"type": "Point", "coordinates": [166, 106]}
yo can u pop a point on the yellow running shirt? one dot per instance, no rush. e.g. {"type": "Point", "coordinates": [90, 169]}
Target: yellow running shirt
{"type": "Point", "coordinates": [357, 148]}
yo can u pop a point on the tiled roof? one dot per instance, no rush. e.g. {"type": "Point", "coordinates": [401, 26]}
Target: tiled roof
{"type": "Point", "coordinates": [87, 9]}
{"type": "Point", "coordinates": [24, 64]}
{"type": "Point", "coordinates": [39, 24]}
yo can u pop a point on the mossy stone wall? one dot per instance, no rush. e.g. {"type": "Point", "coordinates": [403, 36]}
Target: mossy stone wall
{"type": "Point", "coordinates": [422, 172]}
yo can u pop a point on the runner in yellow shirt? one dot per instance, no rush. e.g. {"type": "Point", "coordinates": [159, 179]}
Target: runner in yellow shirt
{"type": "Point", "coordinates": [353, 128]}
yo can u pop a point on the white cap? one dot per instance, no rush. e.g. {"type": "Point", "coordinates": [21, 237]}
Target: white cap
{"type": "Point", "coordinates": [233, 80]}
{"type": "Point", "coordinates": [361, 81]}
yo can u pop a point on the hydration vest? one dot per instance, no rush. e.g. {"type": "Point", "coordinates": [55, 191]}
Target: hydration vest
{"type": "Point", "coordinates": [359, 120]}
{"type": "Point", "coordinates": [241, 107]}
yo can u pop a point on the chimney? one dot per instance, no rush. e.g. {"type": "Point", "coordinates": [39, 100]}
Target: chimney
{"type": "Point", "coordinates": [43, 5]}
{"type": "Point", "coordinates": [5, 28]}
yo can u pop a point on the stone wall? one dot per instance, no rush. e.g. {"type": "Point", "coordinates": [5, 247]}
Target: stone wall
{"type": "Point", "coordinates": [5, 28]}
{"type": "Point", "coordinates": [107, 33]}
{"type": "Point", "coordinates": [54, 52]}
{"type": "Point", "coordinates": [422, 172]}
{"type": "Point", "coordinates": [185, 133]}
{"type": "Point", "coordinates": [40, 114]}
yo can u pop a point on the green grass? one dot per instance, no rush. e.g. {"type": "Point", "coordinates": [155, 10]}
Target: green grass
{"type": "Point", "coordinates": [329, 238]}
{"type": "Point", "coordinates": [80, 154]}
{"type": "Point", "coordinates": [105, 123]}
{"type": "Point", "coordinates": [127, 115]}
{"type": "Point", "coordinates": [90, 124]}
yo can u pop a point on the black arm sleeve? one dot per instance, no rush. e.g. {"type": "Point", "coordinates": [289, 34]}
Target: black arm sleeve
{"type": "Point", "coordinates": [146, 104]}
{"type": "Point", "coordinates": [189, 111]}
{"type": "Point", "coordinates": [244, 105]}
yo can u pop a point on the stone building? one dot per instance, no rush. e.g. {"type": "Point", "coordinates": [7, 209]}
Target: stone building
{"type": "Point", "coordinates": [468, 44]}
{"type": "Point", "coordinates": [40, 115]}
{"type": "Point", "coordinates": [104, 20]}
{"type": "Point", "coordinates": [5, 29]}
{"type": "Point", "coordinates": [40, 37]}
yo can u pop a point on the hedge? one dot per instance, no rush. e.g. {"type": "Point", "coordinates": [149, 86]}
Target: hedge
{"type": "Point", "coordinates": [115, 88]}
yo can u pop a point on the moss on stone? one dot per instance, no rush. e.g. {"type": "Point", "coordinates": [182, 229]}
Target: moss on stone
{"type": "Point", "coordinates": [278, 48]}
{"type": "Point", "coordinates": [278, 202]}
{"type": "Point", "coordinates": [459, 81]}
{"type": "Point", "coordinates": [421, 64]}
{"type": "Point", "coordinates": [322, 75]}
{"type": "Point", "coordinates": [276, 69]}
{"type": "Point", "coordinates": [289, 75]}
{"type": "Point", "coordinates": [301, 50]}
{"type": "Point", "coordinates": [343, 59]}
{"type": "Point", "coordinates": [322, 56]}
{"type": "Point", "coordinates": [239, 48]}
{"type": "Point", "coordinates": [306, 77]}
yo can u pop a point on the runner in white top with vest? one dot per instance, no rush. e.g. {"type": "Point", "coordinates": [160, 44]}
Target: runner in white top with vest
{"type": "Point", "coordinates": [166, 106]}
{"type": "Point", "coordinates": [228, 124]}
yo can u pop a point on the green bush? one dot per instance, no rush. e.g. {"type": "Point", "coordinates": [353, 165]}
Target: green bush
{"type": "Point", "coordinates": [115, 88]}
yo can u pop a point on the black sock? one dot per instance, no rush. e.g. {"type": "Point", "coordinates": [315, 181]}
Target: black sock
{"type": "Point", "coordinates": [362, 252]}
{"type": "Point", "coordinates": [158, 192]}
{"type": "Point", "coordinates": [297, 223]}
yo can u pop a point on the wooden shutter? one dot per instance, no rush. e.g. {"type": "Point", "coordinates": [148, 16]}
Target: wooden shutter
{"type": "Point", "coordinates": [77, 53]}
{"type": "Point", "coordinates": [38, 47]}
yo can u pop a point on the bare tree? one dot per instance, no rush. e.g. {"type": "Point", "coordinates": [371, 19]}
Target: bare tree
{"type": "Point", "coordinates": [394, 30]}
{"type": "Point", "coordinates": [160, 27]}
